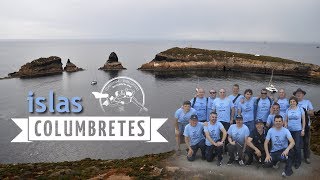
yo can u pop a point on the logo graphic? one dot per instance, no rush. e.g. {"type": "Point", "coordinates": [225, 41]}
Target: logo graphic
{"type": "Point", "coordinates": [120, 92]}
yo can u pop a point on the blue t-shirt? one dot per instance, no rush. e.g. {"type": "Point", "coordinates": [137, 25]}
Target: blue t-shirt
{"type": "Point", "coordinates": [194, 133]}
{"type": "Point", "coordinates": [284, 104]}
{"type": "Point", "coordinates": [270, 120]}
{"type": "Point", "coordinates": [263, 109]}
{"type": "Point", "coordinates": [209, 108]}
{"type": "Point", "coordinates": [279, 138]}
{"type": "Point", "coordinates": [182, 116]}
{"type": "Point", "coordinates": [201, 107]}
{"type": "Point", "coordinates": [307, 105]}
{"type": "Point", "coordinates": [223, 109]}
{"type": "Point", "coordinates": [232, 97]}
{"type": "Point", "coordinates": [239, 134]}
{"type": "Point", "coordinates": [294, 119]}
{"type": "Point", "coordinates": [214, 131]}
{"type": "Point", "coordinates": [247, 109]}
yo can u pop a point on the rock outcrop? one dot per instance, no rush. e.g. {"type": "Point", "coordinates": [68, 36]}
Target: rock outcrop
{"type": "Point", "coordinates": [39, 67]}
{"type": "Point", "coordinates": [177, 59]}
{"type": "Point", "coordinates": [112, 63]}
{"type": "Point", "coordinates": [70, 67]}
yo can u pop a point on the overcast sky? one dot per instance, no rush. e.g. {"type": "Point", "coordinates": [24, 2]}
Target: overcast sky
{"type": "Point", "coordinates": [229, 20]}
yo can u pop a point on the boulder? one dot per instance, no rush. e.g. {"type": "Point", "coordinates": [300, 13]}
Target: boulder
{"type": "Point", "coordinates": [70, 67]}
{"type": "Point", "coordinates": [39, 67]}
{"type": "Point", "coordinates": [112, 63]}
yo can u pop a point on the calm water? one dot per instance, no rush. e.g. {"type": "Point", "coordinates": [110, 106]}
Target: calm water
{"type": "Point", "coordinates": [164, 94]}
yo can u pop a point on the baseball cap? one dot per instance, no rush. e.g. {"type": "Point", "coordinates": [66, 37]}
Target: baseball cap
{"type": "Point", "coordinates": [194, 117]}
{"type": "Point", "coordinates": [259, 121]}
{"type": "Point", "coordinates": [239, 117]}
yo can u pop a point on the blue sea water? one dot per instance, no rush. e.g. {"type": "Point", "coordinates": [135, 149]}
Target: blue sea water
{"type": "Point", "coordinates": [164, 94]}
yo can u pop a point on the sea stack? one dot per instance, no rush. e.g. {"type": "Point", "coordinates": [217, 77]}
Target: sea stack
{"type": "Point", "coordinates": [112, 63]}
{"type": "Point", "coordinates": [70, 67]}
{"type": "Point", "coordinates": [39, 67]}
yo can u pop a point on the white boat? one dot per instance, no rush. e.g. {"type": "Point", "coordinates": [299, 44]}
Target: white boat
{"type": "Point", "coordinates": [94, 82]}
{"type": "Point", "coordinates": [271, 87]}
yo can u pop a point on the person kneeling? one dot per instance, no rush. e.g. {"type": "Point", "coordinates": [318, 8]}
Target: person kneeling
{"type": "Point", "coordinates": [213, 140]}
{"type": "Point", "coordinates": [255, 143]}
{"type": "Point", "coordinates": [194, 138]}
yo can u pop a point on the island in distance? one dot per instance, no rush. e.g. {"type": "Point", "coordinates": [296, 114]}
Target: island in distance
{"type": "Point", "coordinates": [183, 59]}
{"type": "Point", "coordinates": [112, 64]}
{"type": "Point", "coordinates": [43, 67]}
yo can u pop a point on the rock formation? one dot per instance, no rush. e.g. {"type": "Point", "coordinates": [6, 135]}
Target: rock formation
{"type": "Point", "coordinates": [112, 63]}
{"type": "Point", "coordinates": [39, 67]}
{"type": "Point", "coordinates": [177, 59]}
{"type": "Point", "coordinates": [70, 67]}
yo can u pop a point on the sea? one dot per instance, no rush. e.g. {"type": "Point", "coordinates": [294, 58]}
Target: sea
{"type": "Point", "coordinates": [164, 93]}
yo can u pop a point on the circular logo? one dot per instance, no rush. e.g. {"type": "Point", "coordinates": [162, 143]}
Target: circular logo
{"type": "Point", "coordinates": [122, 93]}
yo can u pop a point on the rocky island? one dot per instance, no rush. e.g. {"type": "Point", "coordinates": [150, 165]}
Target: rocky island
{"type": "Point", "coordinates": [112, 63]}
{"type": "Point", "coordinates": [180, 59]}
{"type": "Point", "coordinates": [39, 67]}
{"type": "Point", "coordinates": [70, 67]}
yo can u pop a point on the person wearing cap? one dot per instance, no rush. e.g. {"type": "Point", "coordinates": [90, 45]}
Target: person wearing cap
{"type": "Point", "coordinates": [309, 111]}
{"type": "Point", "coordinates": [199, 103]}
{"type": "Point", "coordinates": [275, 111]}
{"type": "Point", "coordinates": [182, 117]}
{"type": "Point", "coordinates": [246, 109]}
{"type": "Point", "coordinates": [296, 122]}
{"type": "Point", "coordinates": [283, 101]}
{"type": "Point", "coordinates": [194, 138]}
{"type": "Point", "coordinates": [255, 143]}
{"type": "Point", "coordinates": [237, 136]}
{"type": "Point", "coordinates": [280, 150]}
{"type": "Point", "coordinates": [235, 97]}
{"type": "Point", "coordinates": [210, 100]}
{"type": "Point", "coordinates": [213, 140]}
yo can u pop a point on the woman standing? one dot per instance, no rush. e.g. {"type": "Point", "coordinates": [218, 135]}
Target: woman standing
{"type": "Point", "coordinates": [295, 122]}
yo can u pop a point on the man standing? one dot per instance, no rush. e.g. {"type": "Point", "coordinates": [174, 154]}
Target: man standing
{"type": "Point", "coordinates": [213, 140]}
{"type": "Point", "coordinates": [309, 111]}
{"type": "Point", "coordinates": [275, 111]}
{"type": "Point", "coordinates": [235, 97]}
{"type": "Point", "coordinates": [224, 109]}
{"type": "Point", "coordinates": [194, 138]}
{"type": "Point", "coordinates": [280, 151]}
{"type": "Point", "coordinates": [237, 136]}
{"type": "Point", "coordinates": [182, 117]}
{"type": "Point", "coordinates": [263, 105]}
{"type": "Point", "coordinates": [255, 143]}
{"type": "Point", "coordinates": [210, 100]}
{"type": "Point", "coordinates": [283, 101]}
{"type": "Point", "coordinates": [199, 103]}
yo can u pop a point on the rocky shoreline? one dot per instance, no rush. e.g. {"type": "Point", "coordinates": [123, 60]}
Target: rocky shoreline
{"type": "Point", "coordinates": [179, 59]}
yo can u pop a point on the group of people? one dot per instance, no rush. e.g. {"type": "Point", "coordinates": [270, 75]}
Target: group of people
{"type": "Point", "coordinates": [266, 128]}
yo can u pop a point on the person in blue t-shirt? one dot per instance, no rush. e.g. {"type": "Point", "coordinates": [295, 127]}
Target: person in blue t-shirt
{"type": "Point", "coordinates": [263, 105]}
{"type": "Point", "coordinates": [295, 122]}
{"type": "Point", "coordinates": [182, 117]}
{"type": "Point", "coordinates": [194, 138]}
{"type": "Point", "coordinates": [283, 101]}
{"type": "Point", "coordinates": [235, 97]}
{"type": "Point", "coordinates": [213, 140]}
{"type": "Point", "coordinates": [246, 109]}
{"type": "Point", "coordinates": [199, 103]}
{"type": "Point", "coordinates": [210, 100]}
{"type": "Point", "coordinates": [275, 111]}
{"type": "Point", "coordinates": [237, 137]}
{"type": "Point", "coordinates": [307, 105]}
{"type": "Point", "coordinates": [280, 150]}
{"type": "Point", "coordinates": [224, 108]}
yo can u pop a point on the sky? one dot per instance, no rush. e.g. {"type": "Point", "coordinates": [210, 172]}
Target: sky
{"type": "Point", "coordinates": [223, 20]}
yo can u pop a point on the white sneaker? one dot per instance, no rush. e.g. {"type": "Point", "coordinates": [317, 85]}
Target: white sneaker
{"type": "Point", "coordinates": [241, 163]}
{"type": "Point", "coordinates": [284, 174]}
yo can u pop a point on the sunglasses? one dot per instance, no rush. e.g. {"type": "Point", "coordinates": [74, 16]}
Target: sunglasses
{"type": "Point", "coordinates": [222, 92]}
{"type": "Point", "coordinates": [263, 93]}
{"type": "Point", "coordinates": [212, 92]}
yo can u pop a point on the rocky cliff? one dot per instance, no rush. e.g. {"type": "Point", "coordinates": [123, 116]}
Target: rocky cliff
{"type": "Point", "coordinates": [39, 67]}
{"type": "Point", "coordinates": [176, 59]}
{"type": "Point", "coordinates": [70, 67]}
